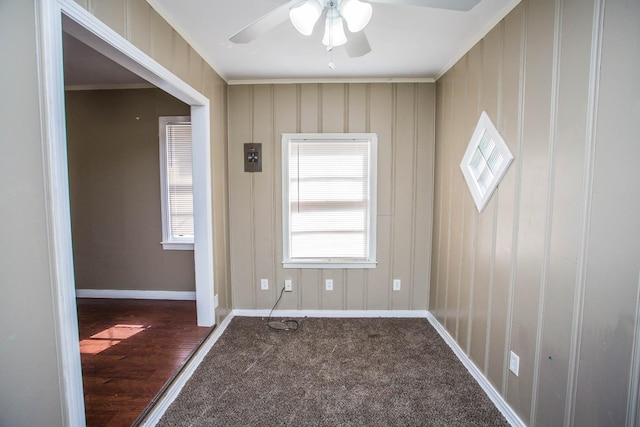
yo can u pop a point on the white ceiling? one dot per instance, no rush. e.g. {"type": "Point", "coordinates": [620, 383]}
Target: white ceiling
{"type": "Point", "coordinates": [408, 42]}
{"type": "Point", "coordinates": [86, 68]}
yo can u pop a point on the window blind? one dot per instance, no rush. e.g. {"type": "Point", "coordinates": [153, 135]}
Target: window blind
{"type": "Point", "coordinates": [329, 200]}
{"type": "Point", "coordinates": [179, 180]}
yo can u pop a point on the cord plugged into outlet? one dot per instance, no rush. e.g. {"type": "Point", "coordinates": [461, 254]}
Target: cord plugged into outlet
{"type": "Point", "coordinates": [288, 285]}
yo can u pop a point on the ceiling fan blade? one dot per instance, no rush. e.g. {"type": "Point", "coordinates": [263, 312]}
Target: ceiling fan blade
{"type": "Point", "coordinates": [357, 44]}
{"type": "Point", "coordinates": [461, 5]}
{"type": "Point", "coordinates": [264, 24]}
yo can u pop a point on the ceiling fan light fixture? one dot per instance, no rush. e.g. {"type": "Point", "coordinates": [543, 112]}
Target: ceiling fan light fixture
{"type": "Point", "coordinates": [334, 32]}
{"type": "Point", "coordinates": [356, 13]}
{"type": "Point", "coordinates": [304, 16]}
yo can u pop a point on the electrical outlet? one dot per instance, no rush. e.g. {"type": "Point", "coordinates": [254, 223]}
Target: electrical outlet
{"type": "Point", "coordinates": [215, 301]}
{"type": "Point", "coordinates": [288, 285]}
{"type": "Point", "coordinates": [264, 284]}
{"type": "Point", "coordinates": [514, 363]}
{"type": "Point", "coordinates": [396, 284]}
{"type": "Point", "coordinates": [328, 284]}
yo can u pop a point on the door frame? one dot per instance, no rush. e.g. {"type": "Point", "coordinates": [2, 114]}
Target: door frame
{"type": "Point", "coordinates": [81, 24]}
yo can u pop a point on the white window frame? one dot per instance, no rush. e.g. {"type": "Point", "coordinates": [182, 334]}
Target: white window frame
{"type": "Point", "coordinates": [482, 195]}
{"type": "Point", "coordinates": [370, 262]}
{"type": "Point", "coordinates": [169, 242]}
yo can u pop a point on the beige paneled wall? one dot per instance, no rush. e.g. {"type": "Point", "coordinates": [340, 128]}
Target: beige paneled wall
{"type": "Point", "coordinates": [550, 268]}
{"type": "Point", "coordinates": [403, 117]}
{"type": "Point", "coordinates": [114, 182]}
{"type": "Point", "coordinates": [136, 21]}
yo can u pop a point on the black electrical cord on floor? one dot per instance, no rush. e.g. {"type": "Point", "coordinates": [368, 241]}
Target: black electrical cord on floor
{"type": "Point", "coordinates": [283, 325]}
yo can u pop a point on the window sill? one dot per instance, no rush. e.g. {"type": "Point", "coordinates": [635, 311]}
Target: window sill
{"type": "Point", "coordinates": [177, 246]}
{"type": "Point", "coordinates": [325, 265]}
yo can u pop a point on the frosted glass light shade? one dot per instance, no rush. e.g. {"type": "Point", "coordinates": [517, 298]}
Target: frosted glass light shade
{"type": "Point", "coordinates": [305, 16]}
{"type": "Point", "coordinates": [334, 32]}
{"type": "Point", "coordinates": [356, 13]}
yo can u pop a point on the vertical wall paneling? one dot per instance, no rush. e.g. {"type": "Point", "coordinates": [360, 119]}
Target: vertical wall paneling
{"type": "Point", "coordinates": [424, 193]}
{"type": "Point", "coordinates": [381, 113]}
{"type": "Point", "coordinates": [111, 12]}
{"type": "Point", "coordinates": [533, 197]}
{"type": "Point", "coordinates": [468, 118]}
{"type": "Point", "coordinates": [263, 193]}
{"type": "Point", "coordinates": [240, 204]}
{"type": "Point", "coordinates": [550, 269]}
{"type": "Point", "coordinates": [394, 112]}
{"type": "Point", "coordinates": [139, 25]}
{"type": "Point", "coordinates": [285, 116]}
{"type": "Point", "coordinates": [613, 255]}
{"type": "Point", "coordinates": [509, 124]}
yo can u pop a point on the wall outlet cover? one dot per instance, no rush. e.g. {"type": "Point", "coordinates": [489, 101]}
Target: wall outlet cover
{"type": "Point", "coordinates": [288, 285]}
{"type": "Point", "coordinates": [328, 284]}
{"type": "Point", "coordinates": [264, 284]}
{"type": "Point", "coordinates": [514, 363]}
{"type": "Point", "coordinates": [396, 284]}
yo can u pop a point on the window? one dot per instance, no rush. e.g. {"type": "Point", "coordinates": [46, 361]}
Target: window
{"type": "Point", "coordinates": [329, 200]}
{"type": "Point", "coordinates": [485, 161]}
{"type": "Point", "coordinates": [176, 183]}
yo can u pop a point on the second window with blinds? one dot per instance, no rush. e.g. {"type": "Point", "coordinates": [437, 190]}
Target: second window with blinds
{"type": "Point", "coordinates": [176, 183]}
{"type": "Point", "coordinates": [329, 200]}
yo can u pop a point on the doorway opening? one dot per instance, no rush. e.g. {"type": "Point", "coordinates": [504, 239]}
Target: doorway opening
{"type": "Point", "coordinates": [90, 31]}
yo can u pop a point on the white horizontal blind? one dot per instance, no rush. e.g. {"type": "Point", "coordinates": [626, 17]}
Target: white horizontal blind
{"type": "Point", "coordinates": [179, 180]}
{"type": "Point", "coordinates": [329, 200]}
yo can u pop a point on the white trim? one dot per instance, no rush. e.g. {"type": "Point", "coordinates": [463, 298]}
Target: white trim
{"type": "Point", "coordinates": [328, 264]}
{"type": "Point", "coordinates": [422, 314]}
{"type": "Point", "coordinates": [111, 86]}
{"type": "Point", "coordinates": [178, 383]}
{"type": "Point", "coordinates": [136, 294]}
{"type": "Point", "coordinates": [51, 81]}
{"type": "Point", "coordinates": [492, 393]}
{"type": "Point", "coordinates": [481, 34]}
{"type": "Point", "coordinates": [633, 401]}
{"type": "Point", "coordinates": [177, 246]}
{"type": "Point", "coordinates": [341, 81]}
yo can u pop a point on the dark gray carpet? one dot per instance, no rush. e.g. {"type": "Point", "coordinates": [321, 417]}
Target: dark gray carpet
{"type": "Point", "coordinates": [332, 372]}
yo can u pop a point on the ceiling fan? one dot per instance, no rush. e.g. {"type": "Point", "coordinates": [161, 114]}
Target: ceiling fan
{"type": "Point", "coordinates": [304, 15]}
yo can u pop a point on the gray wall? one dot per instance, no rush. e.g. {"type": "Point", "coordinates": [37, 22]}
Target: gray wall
{"type": "Point", "coordinates": [30, 372]}
{"type": "Point", "coordinates": [28, 354]}
{"type": "Point", "coordinates": [114, 181]}
{"type": "Point", "coordinates": [550, 268]}
{"type": "Point", "coordinates": [403, 117]}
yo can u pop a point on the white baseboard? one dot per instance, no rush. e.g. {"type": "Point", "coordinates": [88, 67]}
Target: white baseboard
{"type": "Point", "coordinates": [134, 294]}
{"type": "Point", "coordinates": [178, 383]}
{"type": "Point", "coordinates": [488, 388]}
{"type": "Point", "coordinates": [332, 313]}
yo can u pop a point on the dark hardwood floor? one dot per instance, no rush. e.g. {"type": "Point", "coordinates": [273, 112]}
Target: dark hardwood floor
{"type": "Point", "coordinates": [129, 350]}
